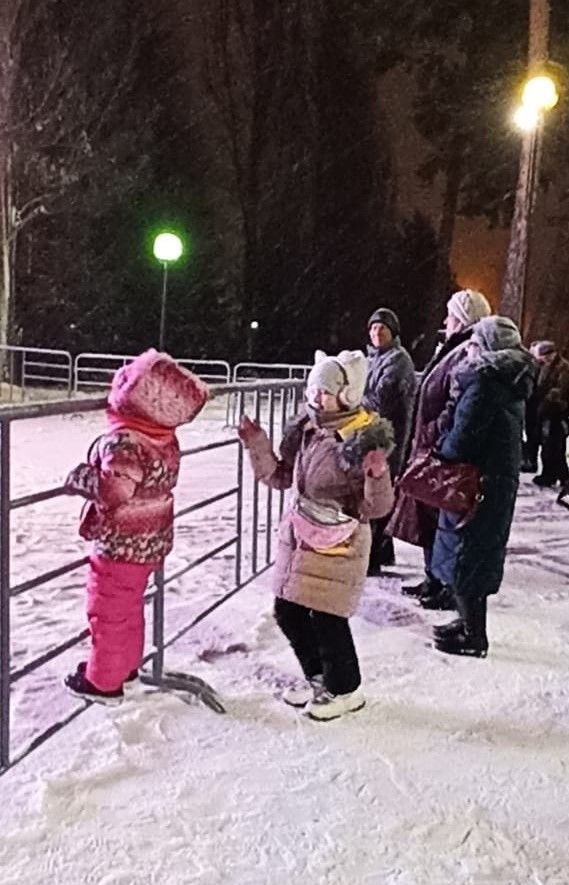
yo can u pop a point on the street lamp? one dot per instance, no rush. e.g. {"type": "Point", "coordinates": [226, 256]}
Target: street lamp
{"type": "Point", "coordinates": [253, 327]}
{"type": "Point", "coordinates": [168, 247]}
{"type": "Point", "coordinates": [539, 95]}
{"type": "Point", "coordinates": [526, 118]}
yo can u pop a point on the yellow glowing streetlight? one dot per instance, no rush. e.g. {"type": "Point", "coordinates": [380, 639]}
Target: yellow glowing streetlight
{"type": "Point", "coordinates": [526, 118]}
{"type": "Point", "coordinates": [540, 93]}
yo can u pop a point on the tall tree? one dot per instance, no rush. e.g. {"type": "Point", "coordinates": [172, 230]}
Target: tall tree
{"type": "Point", "coordinates": [64, 155]}
{"type": "Point", "coordinates": [466, 62]}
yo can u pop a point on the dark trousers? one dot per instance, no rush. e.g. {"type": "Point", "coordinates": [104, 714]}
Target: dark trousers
{"type": "Point", "coordinates": [553, 449]}
{"type": "Point", "coordinates": [322, 643]}
{"type": "Point", "coordinates": [531, 445]}
{"type": "Point", "coordinates": [382, 551]}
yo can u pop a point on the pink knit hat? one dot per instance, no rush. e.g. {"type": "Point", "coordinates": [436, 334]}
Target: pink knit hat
{"type": "Point", "coordinates": [156, 388]}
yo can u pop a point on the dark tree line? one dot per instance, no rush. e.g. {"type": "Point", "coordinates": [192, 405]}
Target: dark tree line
{"type": "Point", "coordinates": [255, 129]}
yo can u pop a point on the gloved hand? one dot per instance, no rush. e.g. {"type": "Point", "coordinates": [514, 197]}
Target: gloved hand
{"type": "Point", "coordinates": [375, 463]}
{"type": "Point", "coordinates": [81, 481]}
{"type": "Point", "coordinates": [247, 431]}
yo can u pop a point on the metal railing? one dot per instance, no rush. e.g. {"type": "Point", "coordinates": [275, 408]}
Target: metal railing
{"type": "Point", "coordinates": [270, 371]}
{"type": "Point", "coordinates": [27, 367]}
{"type": "Point", "coordinates": [260, 373]}
{"type": "Point", "coordinates": [94, 371]}
{"type": "Point", "coordinates": [270, 404]}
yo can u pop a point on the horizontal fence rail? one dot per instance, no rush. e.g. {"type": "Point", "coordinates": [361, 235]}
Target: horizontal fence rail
{"type": "Point", "coordinates": [250, 539]}
{"type": "Point", "coordinates": [26, 368]}
{"type": "Point", "coordinates": [28, 372]}
{"type": "Point", "coordinates": [94, 371]}
{"type": "Point", "coordinates": [270, 371]}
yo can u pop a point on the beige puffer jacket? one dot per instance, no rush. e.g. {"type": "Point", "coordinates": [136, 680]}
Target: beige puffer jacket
{"type": "Point", "coordinates": [325, 464]}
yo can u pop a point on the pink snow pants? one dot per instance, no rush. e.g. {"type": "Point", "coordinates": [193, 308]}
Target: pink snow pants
{"type": "Point", "coordinates": [115, 608]}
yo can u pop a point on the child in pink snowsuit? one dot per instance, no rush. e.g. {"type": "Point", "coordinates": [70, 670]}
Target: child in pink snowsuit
{"type": "Point", "coordinates": [128, 482]}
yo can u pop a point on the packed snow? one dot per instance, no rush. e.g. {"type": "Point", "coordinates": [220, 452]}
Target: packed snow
{"type": "Point", "coordinates": [455, 772]}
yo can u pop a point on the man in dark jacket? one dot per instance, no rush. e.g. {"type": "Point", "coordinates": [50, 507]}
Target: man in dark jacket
{"type": "Point", "coordinates": [390, 391]}
{"type": "Point", "coordinates": [552, 403]}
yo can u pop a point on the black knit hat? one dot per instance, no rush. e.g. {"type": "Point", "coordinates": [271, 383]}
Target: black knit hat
{"type": "Point", "coordinates": [387, 318]}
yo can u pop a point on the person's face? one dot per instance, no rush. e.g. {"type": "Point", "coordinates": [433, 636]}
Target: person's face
{"type": "Point", "coordinates": [380, 335]}
{"type": "Point", "coordinates": [452, 325]}
{"type": "Point", "coordinates": [545, 360]}
{"type": "Point", "coordinates": [321, 400]}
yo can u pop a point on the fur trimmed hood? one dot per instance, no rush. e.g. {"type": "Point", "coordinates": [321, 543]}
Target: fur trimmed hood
{"type": "Point", "coordinates": [378, 434]}
{"type": "Point", "coordinates": [155, 388]}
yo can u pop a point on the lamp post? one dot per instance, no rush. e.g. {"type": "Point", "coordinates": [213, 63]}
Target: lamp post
{"type": "Point", "coordinates": [253, 328]}
{"type": "Point", "coordinates": [168, 247]}
{"type": "Point", "coordinates": [535, 100]}
{"type": "Point", "coordinates": [539, 96]}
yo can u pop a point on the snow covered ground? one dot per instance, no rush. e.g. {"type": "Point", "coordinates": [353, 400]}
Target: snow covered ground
{"type": "Point", "coordinates": [455, 772]}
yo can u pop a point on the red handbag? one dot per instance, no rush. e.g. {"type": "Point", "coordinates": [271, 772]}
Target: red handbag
{"type": "Point", "coordinates": [456, 488]}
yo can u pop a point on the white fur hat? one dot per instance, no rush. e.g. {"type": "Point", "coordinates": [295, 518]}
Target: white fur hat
{"type": "Point", "coordinates": [343, 376]}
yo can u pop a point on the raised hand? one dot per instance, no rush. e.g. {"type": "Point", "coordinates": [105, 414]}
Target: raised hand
{"type": "Point", "coordinates": [247, 430]}
{"type": "Point", "coordinates": [375, 463]}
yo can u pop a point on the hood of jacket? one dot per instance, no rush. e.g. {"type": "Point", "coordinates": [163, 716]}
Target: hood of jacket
{"type": "Point", "coordinates": [514, 368]}
{"type": "Point", "coordinates": [154, 388]}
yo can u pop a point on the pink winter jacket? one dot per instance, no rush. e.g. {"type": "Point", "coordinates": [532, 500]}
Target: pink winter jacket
{"type": "Point", "coordinates": [128, 482]}
{"type": "Point", "coordinates": [132, 469]}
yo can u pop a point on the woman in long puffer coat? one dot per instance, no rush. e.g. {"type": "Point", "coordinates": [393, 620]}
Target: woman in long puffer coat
{"type": "Point", "coordinates": [486, 430]}
{"type": "Point", "coordinates": [334, 456]}
{"type": "Point", "coordinates": [412, 521]}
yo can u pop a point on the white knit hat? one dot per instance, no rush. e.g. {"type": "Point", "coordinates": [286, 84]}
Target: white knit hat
{"type": "Point", "coordinates": [469, 306]}
{"type": "Point", "coordinates": [343, 376]}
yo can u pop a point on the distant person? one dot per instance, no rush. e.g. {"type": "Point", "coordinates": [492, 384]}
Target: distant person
{"type": "Point", "coordinates": [334, 456]}
{"type": "Point", "coordinates": [486, 430]}
{"type": "Point", "coordinates": [390, 392]}
{"type": "Point", "coordinates": [552, 402]}
{"type": "Point", "coordinates": [531, 425]}
{"type": "Point", "coordinates": [412, 521]}
{"type": "Point", "coordinates": [128, 481]}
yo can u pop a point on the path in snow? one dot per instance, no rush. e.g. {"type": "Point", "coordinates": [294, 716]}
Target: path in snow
{"type": "Point", "coordinates": [455, 772]}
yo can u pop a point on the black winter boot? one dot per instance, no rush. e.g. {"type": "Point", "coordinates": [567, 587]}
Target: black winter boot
{"type": "Point", "coordinates": [446, 631]}
{"type": "Point", "coordinates": [443, 601]}
{"type": "Point", "coordinates": [429, 587]}
{"type": "Point", "coordinates": [471, 640]}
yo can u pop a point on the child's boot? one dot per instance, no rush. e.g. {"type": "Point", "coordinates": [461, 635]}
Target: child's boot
{"type": "Point", "coordinates": [79, 686]}
{"type": "Point", "coordinates": [303, 692]}
{"type": "Point", "coordinates": [325, 706]}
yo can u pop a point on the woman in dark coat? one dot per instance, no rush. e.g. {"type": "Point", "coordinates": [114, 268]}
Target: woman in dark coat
{"type": "Point", "coordinates": [486, 430]}
{"type": "Point", "coordinates": [412, 521]}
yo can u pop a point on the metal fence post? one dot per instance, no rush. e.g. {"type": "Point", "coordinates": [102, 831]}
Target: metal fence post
{"type": "Point", "coordinates": [4, 594]}
{"type": "Point", "coordinates": [255, 539]}
{"type": "Point", "coordinates": [271, 422]}
{"type": "Point", "coordinates": [239, 514]}
{"type": "Point", "coordinates": [158, 626]}
{"type": "Point", "coordinates": [284, 405]}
